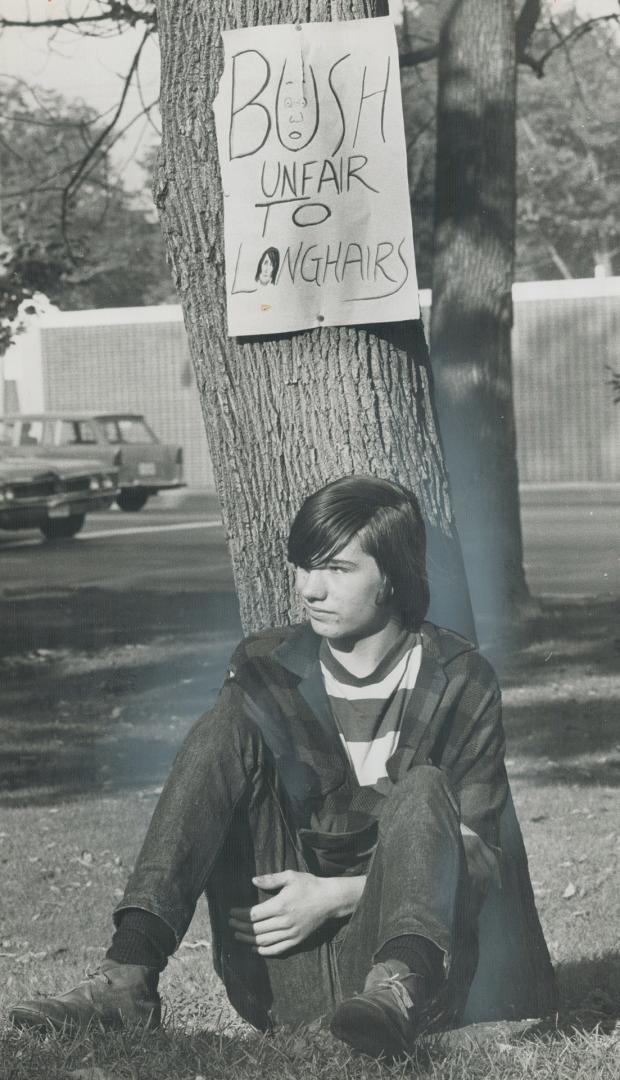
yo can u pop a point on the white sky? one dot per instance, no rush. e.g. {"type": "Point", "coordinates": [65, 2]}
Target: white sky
{"type": "Point", "coordinates": [91, 68]}
{"type": "Point", "coordinates": [83, 68]}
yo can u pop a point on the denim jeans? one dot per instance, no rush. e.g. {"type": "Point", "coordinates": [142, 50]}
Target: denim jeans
{"type": "Point", "coordinates": [222, 819]}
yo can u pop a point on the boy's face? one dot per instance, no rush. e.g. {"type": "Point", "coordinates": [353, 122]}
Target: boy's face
{"type": "Point", "coordinates": [343, 596]}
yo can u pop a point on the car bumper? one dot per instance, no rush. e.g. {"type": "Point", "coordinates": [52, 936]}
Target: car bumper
{"type": "Point", "coordinates": [80, 504]}
{"type": "Point", "coordinates": [153, 485]}
{"type": "Point", "coordinates": [31, 515]}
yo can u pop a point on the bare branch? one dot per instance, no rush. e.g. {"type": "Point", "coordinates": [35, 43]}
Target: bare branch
{"type": "Point", "coordinates": [573, 35]}
{"type": "Point", "coordinates": [79, 175]}
{"type": "Point", "coordinates": [117, 11]}
{"type": "Point", "coordinates": [614, 382]}
{"type": "Point", "coordinates": [526, 24]}
{"type": "Point", "coordinates": [419, 56]}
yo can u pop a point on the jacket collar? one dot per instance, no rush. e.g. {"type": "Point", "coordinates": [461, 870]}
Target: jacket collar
{"type": "Point", "coordinates": [299, 653]}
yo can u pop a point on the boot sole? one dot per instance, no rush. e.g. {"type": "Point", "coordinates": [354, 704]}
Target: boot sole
{"type": "Point", "coordinates": [368, 1029]}
{"type": "Point", "coordinates": [70, 1025]}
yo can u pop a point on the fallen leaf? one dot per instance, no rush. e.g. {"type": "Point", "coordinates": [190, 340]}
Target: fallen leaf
{"type": "Point", "coordinates": [91, 1072]}
{"type": "Point", "coordinates": [569, 891]}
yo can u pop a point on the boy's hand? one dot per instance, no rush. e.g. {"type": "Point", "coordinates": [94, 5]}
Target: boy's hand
{"type": "Point", "coordinates": [301, 905]}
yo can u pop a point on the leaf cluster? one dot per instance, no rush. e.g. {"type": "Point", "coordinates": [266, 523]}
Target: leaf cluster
{"type": "Point", "coordinates": [86, 244]}
{"type": "Point", "coordinates": [568, 171]}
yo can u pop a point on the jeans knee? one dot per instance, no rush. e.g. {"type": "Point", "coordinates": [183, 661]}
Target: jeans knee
{"type": "Point", "coordinates": [424, 784]}
{"type": "Point", "coordinates": [222, 735]}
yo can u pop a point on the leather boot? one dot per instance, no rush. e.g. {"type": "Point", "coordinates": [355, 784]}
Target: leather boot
{"type": "Point", "coordinates": [112, 996]}
{"type": "Point", "coordinates": [389, 1014]}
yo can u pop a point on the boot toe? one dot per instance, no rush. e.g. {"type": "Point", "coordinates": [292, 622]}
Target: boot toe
{"type": "Point", "coordinates": [43, 1015]}
{"type": "Point", "coordinates": [369, 1029]}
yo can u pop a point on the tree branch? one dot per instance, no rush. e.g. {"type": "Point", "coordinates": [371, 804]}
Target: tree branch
{"type": "Point", "coordinates": [419, 56]}
{"type": "Point", "coordinates": [527, 21]}
{"type": "Point", "coordinates": [526, 24]}
{"type": "Point", "coordinates": [575, 34]}
{"type": "Point", "coordinates": [614, 382]}
{"type": "Point", "coordinates": [79, 175]}
{"type": "Point", "coordinates": [117, 11]}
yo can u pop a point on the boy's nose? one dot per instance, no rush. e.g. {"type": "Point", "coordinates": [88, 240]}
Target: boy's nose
{"type": "Point", "coordinates": [313, 585]}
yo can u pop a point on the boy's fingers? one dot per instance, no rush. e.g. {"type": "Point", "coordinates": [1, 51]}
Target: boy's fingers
{"type": "Point", "coordinates": [265, 925]}
{"type": "Point", "coordinates": [273, 881]}
{"type": "Point", "coordinates": [253, 914]}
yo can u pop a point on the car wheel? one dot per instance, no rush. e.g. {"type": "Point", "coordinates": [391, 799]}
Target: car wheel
{"type": "Point", "coordinates": [132, 501]}
{"type": "Point", "coordinates": [63, 528]}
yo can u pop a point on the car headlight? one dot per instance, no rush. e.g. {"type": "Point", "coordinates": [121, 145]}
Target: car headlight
{"type": "Point", "coordinates": [109, 482]}
{"type": "Point", "coordinates": [7, 494]}
{"type": "Point", "coordinates": [94, 484]}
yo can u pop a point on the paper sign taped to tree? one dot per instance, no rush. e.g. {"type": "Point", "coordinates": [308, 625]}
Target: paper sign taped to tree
{"type": "Point", "coordinates": [317, 220]}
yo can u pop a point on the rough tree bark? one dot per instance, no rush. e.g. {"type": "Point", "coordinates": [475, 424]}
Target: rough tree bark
{"type": "Point", "coordinates": [285, 414]}
{"type": "Point", "coordinates": [472, 302]}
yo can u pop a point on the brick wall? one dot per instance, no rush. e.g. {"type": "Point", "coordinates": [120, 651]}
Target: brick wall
{"type": "Point", "coordinates": [568, 428]}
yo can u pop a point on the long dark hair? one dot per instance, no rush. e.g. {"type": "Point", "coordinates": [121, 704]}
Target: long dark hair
{"type": "Point", "coordinates": [386, 518]}
{"type": "Point", "coordinates": [274, 256]}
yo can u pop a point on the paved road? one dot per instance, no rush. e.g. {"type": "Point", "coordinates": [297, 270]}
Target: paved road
{"type": "Point", "coordinates": [156, 549]}
{"type": "Point", "coordinates": [571, 549]}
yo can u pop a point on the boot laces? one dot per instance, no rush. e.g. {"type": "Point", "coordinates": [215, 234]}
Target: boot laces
{"type": "Point", "coordinates": [399, 991]}
{"type": "Point", "coordinates": [97, 975]}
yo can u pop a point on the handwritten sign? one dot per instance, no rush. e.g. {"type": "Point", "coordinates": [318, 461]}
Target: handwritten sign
{"type": "Point", "coordinates": [317, 221]}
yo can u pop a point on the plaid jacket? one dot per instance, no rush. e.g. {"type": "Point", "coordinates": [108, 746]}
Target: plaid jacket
{"type": "Point", "coordinates": [453, 721]}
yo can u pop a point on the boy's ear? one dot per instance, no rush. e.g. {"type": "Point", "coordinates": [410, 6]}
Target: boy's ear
{"type": "Point", "coordinates": [385, 594]}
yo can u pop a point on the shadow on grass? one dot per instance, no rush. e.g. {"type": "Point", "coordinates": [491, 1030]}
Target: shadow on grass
{"type": "Point", "coordinates": [90, 618]}
{"type": "Point", "coordinates": [566, 742]}
{"type": "Point", "coordinates": [158, 1055]}
{"type": "Point", "coordinates": [562, 694]}
{"type": "Point", "coordinates": [99, 687]}
{"type": "Point", "coordinates": [562, 633]}
{"type": "Point", "coordinates": [590, 992]}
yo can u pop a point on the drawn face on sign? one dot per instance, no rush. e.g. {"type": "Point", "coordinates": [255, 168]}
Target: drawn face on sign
{"type": "Point", "coordinates": [267, 269]}
{"type": "Point", "coordinates": [297, 105]}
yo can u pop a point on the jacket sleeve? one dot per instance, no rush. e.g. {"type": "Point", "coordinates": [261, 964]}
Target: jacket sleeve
{"type": "Point", "coordinates": [474, 756]}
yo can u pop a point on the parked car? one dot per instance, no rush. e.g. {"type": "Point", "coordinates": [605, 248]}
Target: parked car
{"type": "Point", "coordinates": [123, 440]}
{"type": "Point", "coordinates": [56, 500]}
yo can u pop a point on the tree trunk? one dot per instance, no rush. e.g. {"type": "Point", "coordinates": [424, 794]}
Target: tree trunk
{"type": "Point", "coordinates": [472, 302]}
{"type": "Point", "coordinates": [287, 413]}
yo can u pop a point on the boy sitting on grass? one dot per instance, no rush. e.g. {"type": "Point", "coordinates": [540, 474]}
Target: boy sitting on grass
{"type": "Point", "coordinates": [346, 811]}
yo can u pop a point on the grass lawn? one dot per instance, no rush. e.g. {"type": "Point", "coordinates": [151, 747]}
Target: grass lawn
{"type": "Point", "coordinates": [80, 768]}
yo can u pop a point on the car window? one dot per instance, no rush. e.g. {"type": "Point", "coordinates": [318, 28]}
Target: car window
{"type": "Point", "coordinates": [134, 431]}
{"type": "Point", "coordinates": [126, 429]}
{"type": "Point", "coordinates": [110, 431]}
{"type": "Point", "coordinates": [8, 432]}
{"type": "Point", "coordinates": [31, 433]}
{"type": "Point", "coordinates": [67, 433]}
{"type": "Point", "coordinates": [85, 433]}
